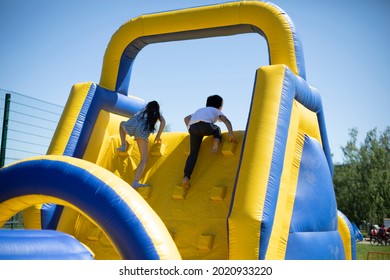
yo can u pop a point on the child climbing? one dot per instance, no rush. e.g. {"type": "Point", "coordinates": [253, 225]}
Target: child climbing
{"type": "Point", "coordinates": [140, 126]}
{"type": "Point", "coordinates": [200, 124]}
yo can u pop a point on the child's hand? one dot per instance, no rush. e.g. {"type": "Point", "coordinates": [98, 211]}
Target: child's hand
{"type": "Point", "coordinates": [232, 138]}
{"type": "Point", "coordinates": [157, 140]}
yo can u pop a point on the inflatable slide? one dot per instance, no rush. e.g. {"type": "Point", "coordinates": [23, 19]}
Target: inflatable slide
{"type": "Point", "coordinates": [268, 197]}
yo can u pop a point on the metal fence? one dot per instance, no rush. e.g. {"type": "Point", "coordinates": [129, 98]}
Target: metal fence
{"type": "Point", "coordinates": [27, 126]}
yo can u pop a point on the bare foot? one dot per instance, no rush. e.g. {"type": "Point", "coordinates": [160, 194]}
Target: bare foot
{"type": "Point", "coordinates": [214, 149]}
{"type": "Point", "coordinates": [186, 183]}
{"type": "Point", "coordinates": [122, 149]}
{"type": "Point", "coordinates": [136, 185]}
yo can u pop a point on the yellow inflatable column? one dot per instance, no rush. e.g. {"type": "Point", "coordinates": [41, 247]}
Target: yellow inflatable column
{"type": "Point", "coordinates": [69, 117]}
{"type": "Point", "coordinates": [247, 209]}
{"type": "Point", "coordinates": [345, 234]}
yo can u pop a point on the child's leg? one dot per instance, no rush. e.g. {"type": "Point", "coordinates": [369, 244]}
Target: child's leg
{"type": "Point", "coordinates": [143, 149]}
{"type": "Point", "coordinates": [215, 147]}
{"type": "Point", "coordinates": [195, 143]}
{"type": "Point", "coordinates": [217, 138]}
{"type": "Point", "coordinates": [122, 134]}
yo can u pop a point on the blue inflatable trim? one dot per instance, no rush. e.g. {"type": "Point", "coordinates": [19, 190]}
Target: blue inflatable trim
{"type": "Point", "coordinates": [41, 245]}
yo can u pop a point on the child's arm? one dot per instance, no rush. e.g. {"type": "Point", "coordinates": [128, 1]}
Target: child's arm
{"type": "Point", "coordinates": [229, 126]}
{"type": "Point", "coordinates": [160, 130]}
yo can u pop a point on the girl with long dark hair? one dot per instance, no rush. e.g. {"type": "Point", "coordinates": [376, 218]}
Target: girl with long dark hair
{"type": "Point", "coordinates": [140, 127]}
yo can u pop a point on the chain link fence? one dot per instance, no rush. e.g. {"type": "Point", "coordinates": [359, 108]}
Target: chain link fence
{"type": "Point", "coordinates": [27, 126]}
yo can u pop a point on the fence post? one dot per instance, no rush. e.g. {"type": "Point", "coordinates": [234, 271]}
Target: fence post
{"type": "Point", "coordinates": [5, 129]}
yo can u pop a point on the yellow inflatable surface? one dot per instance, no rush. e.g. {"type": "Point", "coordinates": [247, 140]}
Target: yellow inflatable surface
{"type": "Point", "coordinates": [196, 218]}
{"type": "Point", "coordinates": [270, 196]}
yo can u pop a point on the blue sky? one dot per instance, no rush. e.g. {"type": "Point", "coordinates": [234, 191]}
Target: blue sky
{"type": "Point", "coordinates": [47, 46]}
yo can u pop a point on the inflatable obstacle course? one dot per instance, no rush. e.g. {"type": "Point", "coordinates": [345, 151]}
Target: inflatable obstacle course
{"type": "Point", "coordinates": [268, 197]}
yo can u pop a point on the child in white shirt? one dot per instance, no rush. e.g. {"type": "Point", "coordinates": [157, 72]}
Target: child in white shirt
{"type": "Point", "coordinates": [200, 124]}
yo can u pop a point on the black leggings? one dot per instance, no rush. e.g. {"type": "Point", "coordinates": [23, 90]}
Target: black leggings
{"type": "Point", "coordinates": [197, 132]}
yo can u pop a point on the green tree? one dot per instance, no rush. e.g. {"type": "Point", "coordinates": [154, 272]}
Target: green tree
{"type": "Point", "coordinates": [362, 181]}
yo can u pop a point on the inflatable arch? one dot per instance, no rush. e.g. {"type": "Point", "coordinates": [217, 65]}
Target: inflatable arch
{"type": "Point", "coordinates": [272, 197]}
{"type": "Point", "coordinates": [93, 191]}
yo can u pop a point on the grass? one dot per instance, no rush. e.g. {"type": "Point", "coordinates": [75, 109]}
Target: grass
{"type": "Point", "coordinates": [363, 248]}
